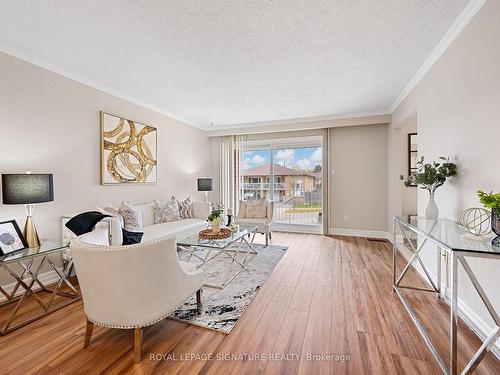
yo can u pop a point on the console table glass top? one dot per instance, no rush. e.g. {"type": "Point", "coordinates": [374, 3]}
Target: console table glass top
{"type": "Point", "coordinates": [448, 234]}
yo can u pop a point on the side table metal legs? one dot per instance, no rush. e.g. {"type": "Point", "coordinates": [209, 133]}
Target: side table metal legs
{"type": "Point", "coordinates": [28, 287]}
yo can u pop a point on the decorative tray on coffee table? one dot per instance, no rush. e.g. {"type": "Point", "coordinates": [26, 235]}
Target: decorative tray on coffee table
{"type": "Point", "coordinates": [207, 234]}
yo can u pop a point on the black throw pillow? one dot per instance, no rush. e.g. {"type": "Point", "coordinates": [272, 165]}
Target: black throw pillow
{"type": "Point", "coordinates": [85, 222]}
{"type": "Point", "coordinates": [131, 238]}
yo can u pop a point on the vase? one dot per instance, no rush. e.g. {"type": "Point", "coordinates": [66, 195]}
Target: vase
{"type": "Point", "coordinates": [495, 226]}
{"type": "Point", "coordinates": [215, 226]}
{"type": "Point", "coordinates": [431, 210]}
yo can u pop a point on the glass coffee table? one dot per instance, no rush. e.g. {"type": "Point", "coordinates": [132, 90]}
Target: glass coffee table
{"type": "Point", "coordinates": [224, 247]}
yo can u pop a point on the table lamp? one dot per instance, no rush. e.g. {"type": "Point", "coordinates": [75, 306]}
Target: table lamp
{"type": "Point", "coordinates": [28, 189]}
{"type": "Point", "coordinates": [205, 185]}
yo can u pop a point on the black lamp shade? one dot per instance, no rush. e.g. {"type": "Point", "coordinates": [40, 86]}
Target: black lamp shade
{"type": "Point", "coordinates": [205, 184]}
{"type": "Point", "coordinates": [27, 188]}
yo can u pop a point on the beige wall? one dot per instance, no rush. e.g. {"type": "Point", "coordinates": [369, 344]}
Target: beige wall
{"type": "Point", "coordinates": [458, 108]}
{"type": "Point", "coordinates": [358, 157]}
{"type": "Point", "coordinates": [50, 124]}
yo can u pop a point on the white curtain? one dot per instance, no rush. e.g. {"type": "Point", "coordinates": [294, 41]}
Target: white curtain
{"type": "Point", "coordinates": [230, 171]}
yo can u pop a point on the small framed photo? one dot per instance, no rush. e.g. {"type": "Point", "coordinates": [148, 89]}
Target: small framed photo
{"type": "Point", "coordinates": [11, 238]}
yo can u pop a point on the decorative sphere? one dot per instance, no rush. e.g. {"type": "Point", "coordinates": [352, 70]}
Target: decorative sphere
{"type": "Point", "coordinates": [476, 221]}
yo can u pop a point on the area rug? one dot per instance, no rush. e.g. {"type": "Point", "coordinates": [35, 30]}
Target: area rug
{"type": "Point", "coordinates": [222, 308]}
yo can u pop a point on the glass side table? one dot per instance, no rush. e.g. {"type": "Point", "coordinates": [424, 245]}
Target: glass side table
{"type": "Point", "coordinates": [25, 266]}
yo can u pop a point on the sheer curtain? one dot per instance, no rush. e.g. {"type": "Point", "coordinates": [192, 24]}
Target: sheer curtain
{"type": "Point", "coordinates": [230, 171]}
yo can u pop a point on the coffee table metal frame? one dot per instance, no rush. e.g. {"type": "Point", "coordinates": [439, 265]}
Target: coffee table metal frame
{"type": "Point", "coordinates": [222, 247]}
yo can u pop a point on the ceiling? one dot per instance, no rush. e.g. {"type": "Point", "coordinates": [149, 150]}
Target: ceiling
{"type": "Point", "coordinates": [229, 63]}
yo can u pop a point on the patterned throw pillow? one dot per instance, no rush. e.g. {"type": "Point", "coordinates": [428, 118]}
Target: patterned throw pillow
{"type": "Point", "coordinates": [132, 218]}
{"type": "Point", "coordinates": [185, 208]}
{"type": "Point", "coordinates": [256, 209]}
{"type": "Point", "coordinates": [165, 212]}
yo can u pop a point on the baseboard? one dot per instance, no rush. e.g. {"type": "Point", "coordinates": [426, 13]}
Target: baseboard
{"type": "Point", "coordinates": [465, 312]}
{"type": "Point", "coordinates": [46, 278]}
{"type": "Point", "coordinates": [358, 233]}
{"type": "Point", "coordinates": [291, 228]}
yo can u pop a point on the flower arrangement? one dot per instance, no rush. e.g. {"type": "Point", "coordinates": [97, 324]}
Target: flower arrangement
{"type": "Point", "coordinates": [492, 201]}
{"type": "Point", "coordinates": [216, 212]}
{"type": "Point", "coordinates": [214, 218]}
{"type": "Point", "coordinates": [489, 200]}
{"type": "Point", "coordinates": [431, 176]}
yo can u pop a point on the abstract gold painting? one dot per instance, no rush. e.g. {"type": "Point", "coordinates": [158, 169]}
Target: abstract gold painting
{"type": "Point", "coordinates": [128, 151]}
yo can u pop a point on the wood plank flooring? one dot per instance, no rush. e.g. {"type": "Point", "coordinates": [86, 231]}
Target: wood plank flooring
{"type": "Point", "coordinates": [327, 296]}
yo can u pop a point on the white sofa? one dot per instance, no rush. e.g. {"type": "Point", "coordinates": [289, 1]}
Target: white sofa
{"type": "Point", "coordinates": [179, 229]}
{"type": "Point", "coordinates": [131, 286]}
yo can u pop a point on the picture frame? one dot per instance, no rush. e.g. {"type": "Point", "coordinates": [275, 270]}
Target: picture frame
{"type": "Point", "coordinates": [412, 154]}
{"type": "Point", "coordinates": [11, 238]}
{"type": "Point", "coordinates": [129, 151]}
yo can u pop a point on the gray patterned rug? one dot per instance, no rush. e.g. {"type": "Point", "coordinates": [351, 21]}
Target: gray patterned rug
{"type": "Point", "coordinates": [221, 309]}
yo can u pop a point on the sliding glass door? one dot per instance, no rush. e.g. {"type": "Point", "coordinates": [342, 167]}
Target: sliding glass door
{"type": "Point", "coordinates": [298, 192]}
{"type": "Point", "coordinates": [289, 175]}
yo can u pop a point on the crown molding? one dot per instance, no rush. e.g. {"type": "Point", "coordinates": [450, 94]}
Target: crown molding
{"type": "Point", "coordinates": [304, 123]}
{"type": "Point", "coordinates": [32, 59]}
{"type": "Point", "coordinates": [456, 28]}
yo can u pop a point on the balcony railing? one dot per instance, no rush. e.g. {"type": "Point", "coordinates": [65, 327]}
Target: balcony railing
{"type": "Point", "coordinates": [262, 186]}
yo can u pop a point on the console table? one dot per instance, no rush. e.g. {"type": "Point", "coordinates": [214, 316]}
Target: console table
{"type": "Point", "coordinates": [447, 236]}
{"type": "Point", "coordinates": [25, 271]}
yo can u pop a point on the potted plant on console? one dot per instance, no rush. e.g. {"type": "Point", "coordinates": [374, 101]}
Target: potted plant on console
{"type": "Point", "coordinates": [492, 201]}
{"type": "Point", "coordinates": [215, 217]}
{"type": "Point", "coordinates": [430, 177]}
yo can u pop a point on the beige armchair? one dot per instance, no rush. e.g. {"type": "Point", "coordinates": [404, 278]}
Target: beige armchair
{"type": "Point", "coordinates": [133, 286]}
{"type": "Point", "coordinates": [264, 225]}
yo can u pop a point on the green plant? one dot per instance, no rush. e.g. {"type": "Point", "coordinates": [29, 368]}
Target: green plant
{"type": "Point", "coordinates": [431, 176]}
{"type": "Point", "coordinates": [215, 212]}
{"type": "Point", "coordinates": [489, 200]}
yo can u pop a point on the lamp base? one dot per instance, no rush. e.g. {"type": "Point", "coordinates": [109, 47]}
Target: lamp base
{"type": "Point", "coordinates": [30, 232]}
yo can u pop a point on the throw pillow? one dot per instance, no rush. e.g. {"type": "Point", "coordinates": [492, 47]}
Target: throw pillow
{"type": "Point", "coordinates": [85, 222]}
{"type": "Point", "coordinates": [109, 210]}
{"type": "Point", "coordinates": [132, 218]}
{"type": "Point", "coordinates": [185, 208]}
{"type": "Point", "coordinates": [165, 212]}
{"type": "Point", "coordinates": [256, 209]}
{"type": "Point", "coordinates": [131, 238]}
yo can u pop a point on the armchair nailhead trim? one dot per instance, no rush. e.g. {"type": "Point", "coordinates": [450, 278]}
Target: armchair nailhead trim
{"type": "Point", "coordinates": [139, 326]}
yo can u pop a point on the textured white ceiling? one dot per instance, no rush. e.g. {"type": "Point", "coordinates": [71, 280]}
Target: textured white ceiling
{"type": "Point", "coordinates": [233, 62]}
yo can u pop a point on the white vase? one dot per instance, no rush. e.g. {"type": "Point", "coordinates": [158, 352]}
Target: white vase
{"type": "Point", "coordinates": [215, 226]}
{"type": "Point", "coordinates": [431, 210]}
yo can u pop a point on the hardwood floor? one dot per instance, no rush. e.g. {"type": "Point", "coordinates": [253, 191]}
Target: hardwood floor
{"type": "Point", "coordinates": [327, 296]}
